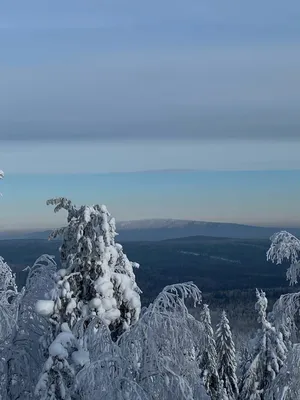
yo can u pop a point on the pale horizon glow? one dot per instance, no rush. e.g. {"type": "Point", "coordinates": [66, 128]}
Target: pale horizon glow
{"type": "Point", "coordinates": [265, 198]}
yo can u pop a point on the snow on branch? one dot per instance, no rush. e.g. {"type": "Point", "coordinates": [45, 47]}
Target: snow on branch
{"type": "Point", "coordinates": [25, 357]}
{"type": "Point", "coordinates": [226, 357]}
{"type": "Point", "coordinates": [41, 273]}
{"type": "Point", "coordinates": [268, 355]}
{"type": "Point", "coordinates": [9, 300]}
{"type": "Point", "coordinates": [261, 305]}
{"type": "Point", "coordinates": [161, 350]}
{"type": "Point", "coordinates": [284, 315]}
{"type": "Point", "coordinates": [286, 384]}
{"type": "Point", "coordinates": [155, 359]}
{"type": "Point", "coordinates": [175, 295]}
{"type": "Point", "coordinates": [60, 203]}
{"type": "Point", "coordinates": [284, 245]}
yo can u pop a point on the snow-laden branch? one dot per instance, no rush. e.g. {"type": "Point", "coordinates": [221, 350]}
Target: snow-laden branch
{"type": "Point", "coordinates": [26, 357]}
{"type": "Point", "coordinates": [9, 300]}
{"type": "Point", "coordinates": [286, 384]}
{"type": "Point", "coordinates": [268, 355]}
{"type": "Point", "coordinates": [155, 359]}
{"type": "Point", "coordinates": [285, 246]}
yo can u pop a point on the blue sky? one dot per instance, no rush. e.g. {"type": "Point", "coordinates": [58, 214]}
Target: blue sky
{"type": "Point", "coordinates": [125, 87]}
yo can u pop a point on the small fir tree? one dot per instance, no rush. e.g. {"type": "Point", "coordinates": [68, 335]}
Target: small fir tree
{"type": "Point", "coordinates": [268, 356]}
{"type": "Point", "coordinates": [208, 359]}
{"type": "Point", "coordinates": [226, 357]}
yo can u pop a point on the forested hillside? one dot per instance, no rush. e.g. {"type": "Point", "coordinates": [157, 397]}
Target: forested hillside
{"type": "Point", "coordinates": [214, 264]}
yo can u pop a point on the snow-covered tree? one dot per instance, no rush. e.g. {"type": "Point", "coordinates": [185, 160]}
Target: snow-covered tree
{"type": "Point", "coordinates": [268, 356]}
{"type": "Point", "coordinates": [208, 359]}
{"type": "Point", "coordinates": [149, 361]}
{"type": "Point", "coordinates": [226, 357]}
{"type": "Point", "coordinates": [10, 299]}
{"type": "Point", "coordinates": [286, 385]}
{"type": "Point", "coordinates": [21, 328]}
{"type": "Point", "coordinates": [222, 395]}
{"type": "Point", "coordinates": [95, 279]}
{"type": "Point", "coordinates": [25, 358]}
{"type": "Point", "coordinates": [96, 276]}
{"type": "Point", "coordinates": [244, 357]}
{"type": "Point", "coordinates": [284, 317]}
{"type": "Point", "coordinates": [284, 245]}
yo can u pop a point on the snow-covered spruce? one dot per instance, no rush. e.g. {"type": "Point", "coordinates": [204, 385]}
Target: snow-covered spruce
{"type": "Point", "coordinates": [222, 394]}
{"type": "Point", "coordinates": [208, 359]}
{"type": "Point", "coordinates": [96, 279]}
{"type": "Point", "coordinates": [268, 357]}
{"type": "Point", "coordinates": [226, 357]}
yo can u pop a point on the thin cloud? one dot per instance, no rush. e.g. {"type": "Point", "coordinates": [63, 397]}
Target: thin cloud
{"type": "Point", "coordinates": [280, 125]}
{"type": "Point", "coordinates": [215, 93]}
{"type": "Point", "coordinates": [107, 157]}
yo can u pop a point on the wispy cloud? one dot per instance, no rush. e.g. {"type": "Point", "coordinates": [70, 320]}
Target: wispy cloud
{"type": "Point", "coordinates": [146, 155]}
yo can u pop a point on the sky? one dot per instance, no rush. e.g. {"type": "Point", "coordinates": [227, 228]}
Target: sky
{"type": "Point", "coordinates": [171, 109]}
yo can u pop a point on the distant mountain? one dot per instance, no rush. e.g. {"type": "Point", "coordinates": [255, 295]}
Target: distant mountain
{"type": "Point", "coordinates": [161, 229]}
{"type": "Point", "coordinates": [154, 224]}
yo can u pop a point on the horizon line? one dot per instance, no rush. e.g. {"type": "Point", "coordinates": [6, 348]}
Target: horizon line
{"type": "Point", "coordinates": [255, 225]}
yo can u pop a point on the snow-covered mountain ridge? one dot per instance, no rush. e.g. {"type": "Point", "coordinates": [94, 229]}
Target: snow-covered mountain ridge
{"type": "Point", "coordinates": [161, 229]}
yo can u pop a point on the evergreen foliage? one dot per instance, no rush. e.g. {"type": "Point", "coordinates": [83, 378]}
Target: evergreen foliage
{"type": "Point", "coordinates": [226, 357]}
{"type": "Point", "coordinates": [208, 359]}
